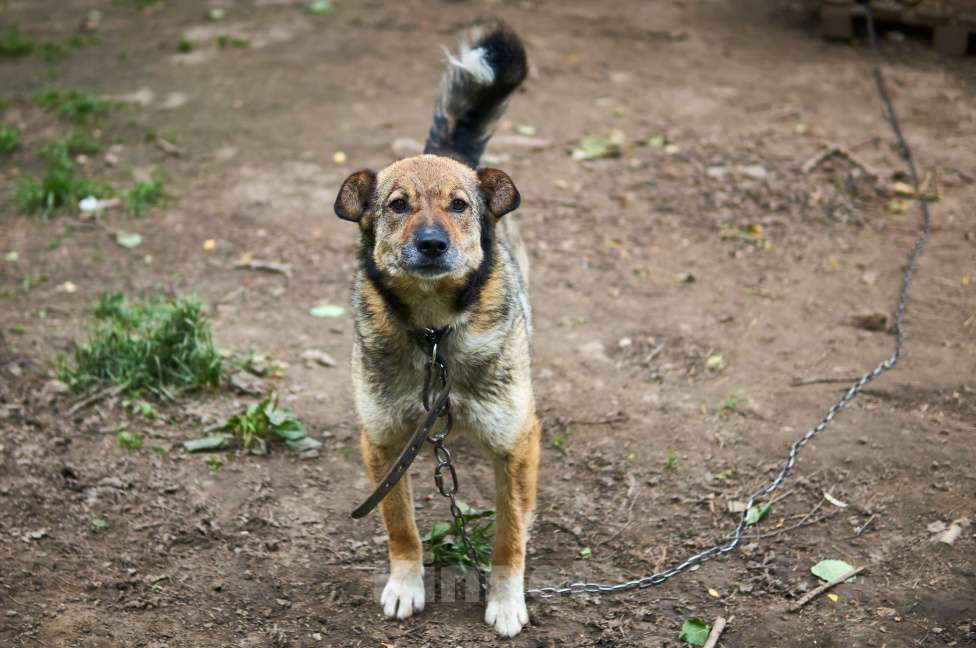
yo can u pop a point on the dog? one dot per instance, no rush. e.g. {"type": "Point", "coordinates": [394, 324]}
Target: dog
{"type": "Point", "coordinates": [438, 252]}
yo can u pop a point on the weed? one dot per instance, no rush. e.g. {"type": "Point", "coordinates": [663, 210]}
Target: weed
{"type": "Point", "coordinates": [184, 46]}
{"type": "Point", "coordinates": [443, 541]}
{"type": "Point", "coordinates": [162, 346]}
{"type": "Point", "coordinates": [71, 104]}
{"type": "Point", "coordinates": [14, 43]}
{"type": "Point", "coordinates": [141, 408]}
{"type": "Point", "coordinates": [215, 462]}
{"type": "Point", "coordinates": [729, 406]}
{"type": "Point", "coordinates": [70, 145]}
{"type": "Point", "coordinates": [671, 461]}
{"type": "Point", "coordinates": [144, 194]}
{"type": "Point", "coordinates": [260, 422]}
{"type": "Point", "coordinates": [59, 187]}
{"type": "Point", "coordinates": [224, 41]}
{"type": "Point", "coordinates": [9, 139]}
{"type": "Point", "coordinates": [560, 438]}
{"type": "Point", "coordinates": [128, 440]}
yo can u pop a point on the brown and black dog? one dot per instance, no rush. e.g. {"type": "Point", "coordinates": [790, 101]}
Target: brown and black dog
{"type": "Point", "coordinates": [438, 254]}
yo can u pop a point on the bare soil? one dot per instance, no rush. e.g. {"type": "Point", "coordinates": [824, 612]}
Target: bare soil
{"type": "Point", "coordinates": [639, 273]}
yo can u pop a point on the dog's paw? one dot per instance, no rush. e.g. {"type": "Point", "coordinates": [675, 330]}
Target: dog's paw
{"type": "Point", "coordinates": [404, 593]}
{"type": "Point", "coordinates": [506, 609]}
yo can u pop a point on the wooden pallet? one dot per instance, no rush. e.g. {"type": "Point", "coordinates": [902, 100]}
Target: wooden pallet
{"type": "Point", "coordinates": [951, 21]}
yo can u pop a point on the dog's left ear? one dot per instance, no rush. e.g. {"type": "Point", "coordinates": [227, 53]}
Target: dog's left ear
{"type": "Point", "coordinates": [500, 193]}
{"type": "Point", "coordinates": [355, 195]}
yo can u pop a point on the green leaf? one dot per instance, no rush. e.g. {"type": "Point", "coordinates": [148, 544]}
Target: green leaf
{"type": "Point", "coordinates": [99, 524]}
{"type": "Point", "coordinates": [11, 256]}
{"type": "Point", "coordinates": [128, 240]}
{"type": "Point", "coordinates": [320, 7]}
{"type": "Point", "coordinates": [437, 531]}
{"type": "Point", "coordinates": [694, 631]}
{"type": "Point", "coordinates": [215, 462]}
{"type": "Point", "coordinates": [128, 440]}
{"type": "Point", "coordinates": [754, 514]}
{"type": "Point", "coordinates": [212, 442]}
{"type": "Point", "coordinates": [327, 311]}
{"type": "Point", "coordinates": [592, 148]}
{"type": "Point", "coordinates": [828, 570]}
{"type": "Point", "coordinates": [585, 551]}
{"type": "Point", "coordinates": [303, 444]}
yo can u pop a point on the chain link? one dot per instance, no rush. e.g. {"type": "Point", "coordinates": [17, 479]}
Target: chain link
{"type": "Point", "coordinates": [847, 397]}
{"type": "Point", "coordinates": [437, 367]}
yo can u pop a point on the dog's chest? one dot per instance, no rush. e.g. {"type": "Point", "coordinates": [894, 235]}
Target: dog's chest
{"type": "Point", "coordinates": [488, 398]}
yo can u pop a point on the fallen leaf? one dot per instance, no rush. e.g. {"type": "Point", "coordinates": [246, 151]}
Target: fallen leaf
{"type": "Point", "coordinates": [694, 631]}
{"type": "Point", "coordinates": [833, 597]}
{"type": "Point", "coordinates": [715, 363]}
{"type": "Point", "coordinates": [209, 244]}
{"type": "Point", "coordinates": [211, 442]}
{"type": "Point", "coordinates": [128, 240]}
{"type": "Point", "coordinates": [320, 7]}
{"type": "Point", "coordinates": [833, 500]}
{"type": "Point", "coordinates": [828, 570]}
{"type": "Point", "coordinates": [304, 444]}
{"type": "Point", "coordinates": [339, 157]}
{"type": "Point", "coordinates": [526, 129]}
{"type": "Point", "coordinates": [11, 256]}
{"type": "Point", "coordinates": [593, 148]}
{"type": "Point", "coordinates": [755, 514]}
{"type": "Point", "coordinates": [903, 189]}
{"type": "Point", "coordinates": [267, 266]}
{"type": "Point", "coordinates": [585, 551]}
{"type": "Point", "coordinates": [327, 310]}
{"type": "Point", "coordinates": [321, 357]}
{"type": "Point", "coordinates": [897, 206]}
{"type": "Point", "coordinates": [713, 592]}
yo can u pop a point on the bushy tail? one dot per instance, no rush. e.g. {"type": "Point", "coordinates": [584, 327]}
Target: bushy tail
{"type": "Point", "coordinates": [475, 90]}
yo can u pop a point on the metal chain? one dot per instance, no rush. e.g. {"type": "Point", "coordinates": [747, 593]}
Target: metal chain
{"type": "Point", "coordinates": [722, 549]}
{"type": "Point", "coordinates": [442, 455]}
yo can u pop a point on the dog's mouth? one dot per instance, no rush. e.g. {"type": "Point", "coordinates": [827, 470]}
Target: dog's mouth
{"type": "Point", "coordinates": [429, 269]}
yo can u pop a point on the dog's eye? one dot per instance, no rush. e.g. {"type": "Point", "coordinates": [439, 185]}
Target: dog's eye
{"type": "Point", "coordinates": [458, 205]}
{"type": "Point", "coordinates": [398, 206]}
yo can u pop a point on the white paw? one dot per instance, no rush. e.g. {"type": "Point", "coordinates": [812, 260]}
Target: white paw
{"type": "Point", "coordinates": [404, 593]}
{"type": "Point", "coordinates": [506, 609]}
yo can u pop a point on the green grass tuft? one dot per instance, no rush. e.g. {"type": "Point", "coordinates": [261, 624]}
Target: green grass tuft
{"type": "Point", "coordinates": [60, 186]}
{"type": "Point", "coordinates": [160, 346]}
{"type": "Point", "coordinates": [443, 542]}
{"type": "Point", "coordinates": [13, 43]}
{"type": "Point", "coordinates": [9, 139]}
{"type": "Point", "coordinates": [144, 194]}
{"type": "Point", "coordinates": [71, 104]}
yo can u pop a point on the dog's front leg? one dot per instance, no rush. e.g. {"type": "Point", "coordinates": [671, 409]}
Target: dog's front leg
{"type": "Point", "coordinates": [516, 473]}
{"type": "Point", "coordinates": [404, 594]}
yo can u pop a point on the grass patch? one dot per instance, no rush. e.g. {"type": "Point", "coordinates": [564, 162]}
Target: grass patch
{"type": "Point", "coordinates": [13, 43]}
{"type": "Point", "coordinates": [160, 346]}
{"type": "Point", "coordinates": [144, 194]}
{"type": "Point", "coordinates": [60, 186]}
{"type": "Point", "coordinates": [9, 139]}
{"type": "Point", "coordinates": [70, 145]}
{"type": "Point", "coordinates": [225, 40]}
{"type": "Point", "coordinates": [729, 406]}
{"type": "Point", "coordinates": [71, 104]}
{"type": "Point", "coordinates": [443, 542]}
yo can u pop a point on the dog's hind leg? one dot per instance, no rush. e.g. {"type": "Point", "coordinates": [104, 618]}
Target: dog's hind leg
{"type": "Point", "coordinates": [404, 593]}
{"type": "Point", "coordinates": [516, 474]}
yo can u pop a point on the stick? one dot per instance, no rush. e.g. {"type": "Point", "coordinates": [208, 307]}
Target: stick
{"type": "Point", "coordinates": [94, 398]}
{"type": "Point", "coordinates": [717, 628]}
{"type": "Point", "coordinates": [809, 596]}
{"type": "Point", "coordinates": [802, 382]}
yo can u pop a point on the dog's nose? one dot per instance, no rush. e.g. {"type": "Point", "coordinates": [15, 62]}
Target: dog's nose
{"type": "Point", "coordinates": [432, 242]}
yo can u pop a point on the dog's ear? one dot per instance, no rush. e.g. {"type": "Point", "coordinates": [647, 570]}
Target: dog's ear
{"type": "Point", "coordinates": [499, 191]}
{"type": "Point", "coordinates": [355, 195]}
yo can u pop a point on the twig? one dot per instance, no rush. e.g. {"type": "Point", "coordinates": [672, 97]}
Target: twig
{"type": "Point", "coordinates": [829, 152]}
{"type": "Point", "coordinates": [114, 390]}
{"type": "Point", "coordinates": [802, 382]}
{"type": "Point", "coordinates": [859, 530]}
{"type": "Point", "coordinates": [717, 628]}
{"type": "Point", "coordinates": [814, 593]}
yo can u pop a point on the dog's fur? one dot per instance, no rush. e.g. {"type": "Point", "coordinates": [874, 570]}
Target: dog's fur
{"type": "Point", "coordinates": [477, 289]}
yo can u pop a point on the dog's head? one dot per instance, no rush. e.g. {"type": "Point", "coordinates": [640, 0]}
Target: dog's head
{"type": "Point", "coordinates": [426, 216]}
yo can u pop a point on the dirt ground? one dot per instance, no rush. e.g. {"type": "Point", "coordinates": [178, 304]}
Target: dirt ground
{"type": "Point", "coordinates": [643, 268]}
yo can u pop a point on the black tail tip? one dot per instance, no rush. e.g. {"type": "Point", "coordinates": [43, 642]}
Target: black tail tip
{"type": "Point", "coordinates": [503, 51]}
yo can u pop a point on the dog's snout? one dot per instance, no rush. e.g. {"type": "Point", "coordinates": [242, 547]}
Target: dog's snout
{"type": "Point", "coordinates": [431, 241]}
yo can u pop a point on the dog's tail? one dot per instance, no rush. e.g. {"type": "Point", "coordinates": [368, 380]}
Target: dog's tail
{"type": "Point", "coordinates": [475, 90]}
